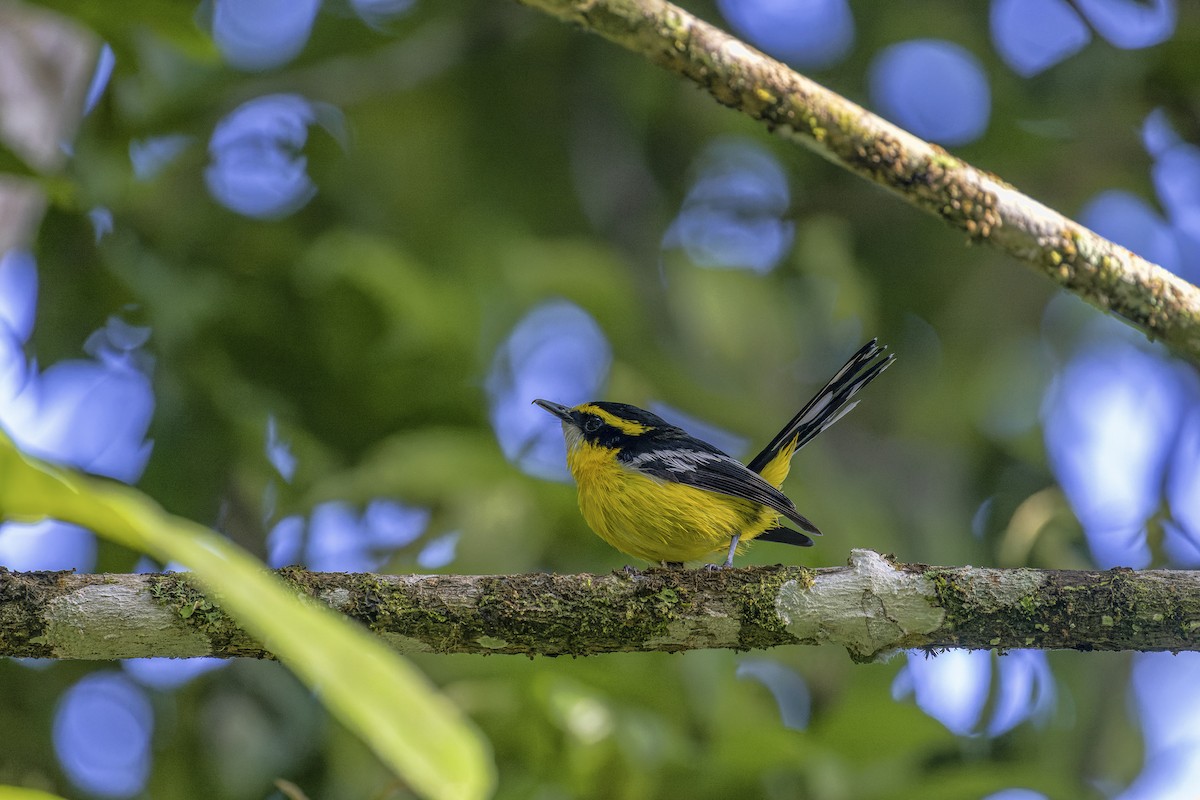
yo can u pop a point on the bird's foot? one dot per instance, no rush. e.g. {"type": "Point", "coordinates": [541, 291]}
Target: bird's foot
{"type": "Point", "coordinates": [733, 543]}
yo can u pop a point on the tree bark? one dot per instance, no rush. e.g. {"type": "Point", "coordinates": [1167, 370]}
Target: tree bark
{"type": "Point", "coordinates": [873, 607]}
{"type": "Point", "coordinates": [988, 210]}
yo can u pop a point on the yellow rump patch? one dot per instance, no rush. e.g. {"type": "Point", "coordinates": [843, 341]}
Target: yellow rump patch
{"type": "Point", "coordinates": [623, 425]}
{"type": "Point", "coordinates": [777, 469]}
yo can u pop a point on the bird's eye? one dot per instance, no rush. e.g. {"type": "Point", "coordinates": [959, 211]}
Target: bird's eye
{"type": "Point", "coordinates": [592, 425]}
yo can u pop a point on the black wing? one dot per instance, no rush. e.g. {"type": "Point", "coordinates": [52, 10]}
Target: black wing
{"type": "Point", "coordinates": [710, 469]}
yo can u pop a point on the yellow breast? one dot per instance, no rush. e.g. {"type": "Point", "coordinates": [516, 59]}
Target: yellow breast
{"type": "Point", "coordinates": [658, 520]}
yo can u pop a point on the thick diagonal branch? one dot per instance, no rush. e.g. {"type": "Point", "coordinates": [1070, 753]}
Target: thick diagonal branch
{"type": "Point", "coordinates": [872, 607]}
{"type": "Point", "coordinates": [981, 205]}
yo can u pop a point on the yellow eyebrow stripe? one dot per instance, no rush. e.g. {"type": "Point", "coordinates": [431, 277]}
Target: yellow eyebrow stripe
{"type": "Point", "coordinates": [623, 425]}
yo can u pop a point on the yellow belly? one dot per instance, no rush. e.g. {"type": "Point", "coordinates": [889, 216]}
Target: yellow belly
{"type": "Point", "coordinates": [658, 520]}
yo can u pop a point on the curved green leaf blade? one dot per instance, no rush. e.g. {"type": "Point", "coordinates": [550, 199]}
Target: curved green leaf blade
{"type": "Point", "coordinates": [17, 793]}
{"type": "Point", "coordinates": [372, 690]}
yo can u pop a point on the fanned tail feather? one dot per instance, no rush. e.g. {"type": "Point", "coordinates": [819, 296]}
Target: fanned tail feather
{"type": "Point", "coordinates": [829, 405]}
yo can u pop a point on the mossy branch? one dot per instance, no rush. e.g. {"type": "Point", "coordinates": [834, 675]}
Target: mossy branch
{"type": "Point", "coordinates": [979, 204]}
{"type": "Point", "coordinates": [873, 607]}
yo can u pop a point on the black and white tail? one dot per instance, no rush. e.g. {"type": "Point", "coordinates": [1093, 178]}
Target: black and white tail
{"type": "Point", "coordinates": [830, 404]}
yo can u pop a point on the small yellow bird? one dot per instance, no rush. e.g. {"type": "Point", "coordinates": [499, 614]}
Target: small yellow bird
{"type": "Point", "coordinates": [652, 491]}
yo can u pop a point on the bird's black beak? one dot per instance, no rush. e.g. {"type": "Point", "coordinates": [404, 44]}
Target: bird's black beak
{"type": "Point", "coordinates": [562, 412]}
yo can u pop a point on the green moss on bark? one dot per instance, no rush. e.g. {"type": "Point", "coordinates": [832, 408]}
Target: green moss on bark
{"type": "Point", "coordinates": [1121, 608]}
{"type": "Point", "coordinates": [183, 596]}
{"type": "Point", "coordinates": [23, 596]}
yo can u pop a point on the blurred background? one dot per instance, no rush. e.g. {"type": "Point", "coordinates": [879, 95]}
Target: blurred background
{"type": "Point", "coordinates": [297, 269]}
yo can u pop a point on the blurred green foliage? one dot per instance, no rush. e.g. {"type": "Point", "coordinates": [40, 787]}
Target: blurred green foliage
{"type": "Point", "coordinates": [496, 159]}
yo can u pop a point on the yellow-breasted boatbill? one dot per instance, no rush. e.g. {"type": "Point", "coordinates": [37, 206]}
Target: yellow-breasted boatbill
{"type": "Point", "coordinates": [656, 493]}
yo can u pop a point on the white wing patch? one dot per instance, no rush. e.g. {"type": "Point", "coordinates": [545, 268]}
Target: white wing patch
{"type": "Point", "coordinates": [676, 460]}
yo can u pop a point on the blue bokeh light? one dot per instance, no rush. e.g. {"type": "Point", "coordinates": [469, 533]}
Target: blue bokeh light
{"type": "Point", "coordinates": [1176, 176]}
{"type": "Point", "coordinates": [285, 542]}
{"type": "Point", "coordinates": [1025, 690]}
{"type": "Point", "coordinates": [279, 452]}
{"type": "Point", "coordinates": [1122, 429]}
{"type": "Point", "coordinates": [556, 352]}
{"type": "Point", "coordinates": [102, 731]}
{"type": "Point", "coordinates": [18, 294]}
{"type": "Point", "coordinates": [1034, 35]}
{"type": "Point", "coordinates": [48, 544]}
{"type": "Point", "coordinates": [954, 686]}
{"type": "Point", "coordinates": [951, 687]}
{"type": "Point", "coordinates": [732, 214]}
{"type": "Point", "coordinates": [165, 674]}
{"type": "Point", "coordinates": [151, 155]}
{"type": "Point", "coordinates": [811, 34]}
{"type": "Point", "coordinates": [1111, 420]}
{"type": "Point", "coordinates": [119, 343]}
{"type": "Point", "coordinates": [786, 685]}
{"type": "Point", "coordinates": [934, 88]}
{"type": "Point", "coordinates": [1173, 242]}
{"type": "Point", "coordinates": [377, 13]}
{"type": "Point", "coordinates": [256, 35]}
{"type": "Point", "coordinates": [1167, 697]}
{"type": "Point", "coordinates": [1131, 24]}
{"type": "Point", "coordinates": [1158, 134]}
{"type": "Point", "coordinates": [89, 414]}
{"type": "Point", "coordinates": [1177, 179]}
{"type": "Point", "coordinates": [102, 222]}
{"type": "Point", "coordinates": [92, 416]}
{"type": "Point", "coordinates": [105, 62]}
{"type": "Point", "coordinates": [258, 167]}
{"type": "Point", "coordinates": [337, 539]}
{"type": "Point", "coordinates": [440, 552]}
{"type": "Point", "coordinates": [1129, 220]}
{"type": "Point", "coordinates": [1016, 794]}
{"type": "Point", "coordinates": [393, 525]}
{"type": "Point", "coordinates": [1181, 540]}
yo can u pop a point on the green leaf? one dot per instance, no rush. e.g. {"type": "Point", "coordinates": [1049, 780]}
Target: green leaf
{"type": "Point", "coordinates": [376, 693]}
{"type": "Point", "coordinates": [17, 793]}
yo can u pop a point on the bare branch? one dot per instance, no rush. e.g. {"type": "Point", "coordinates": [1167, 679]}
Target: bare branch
{"type": "Point", "coordinates": [873, 607]}
{"type": "Point", "coordinates": [978, 203]}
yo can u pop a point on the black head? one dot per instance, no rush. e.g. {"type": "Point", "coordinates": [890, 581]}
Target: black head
{"type": "Point", "coordinates": [606, 424]}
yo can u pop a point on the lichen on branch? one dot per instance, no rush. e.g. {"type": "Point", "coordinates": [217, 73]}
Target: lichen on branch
{"type": "Point", "coordinates": [873, 607]}
{"type": "Point", "coordinates": [971, 200]}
